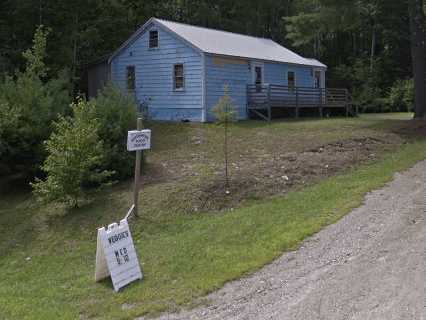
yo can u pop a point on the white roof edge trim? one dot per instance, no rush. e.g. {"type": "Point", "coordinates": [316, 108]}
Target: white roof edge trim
{"type": "Point", "coordinates": [142, 29]}
{"type": "Point", "coordinates": [196, 48]}
{"type": "Point", "coordinates": [168, 26]}
{"type": "Point", "coordinates": [130, 40]}
{"type": "Point", "coordinates": [323, 66]}
{"type": "Point", "coordinates": [239, 45]}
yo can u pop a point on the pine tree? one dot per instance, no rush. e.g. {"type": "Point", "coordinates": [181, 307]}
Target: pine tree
{"type": "Point", "coordinates": [75, 153]}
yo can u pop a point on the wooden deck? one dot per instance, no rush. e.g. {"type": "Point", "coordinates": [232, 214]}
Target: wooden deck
{"type": "Point", "coordinates": [262, 98]}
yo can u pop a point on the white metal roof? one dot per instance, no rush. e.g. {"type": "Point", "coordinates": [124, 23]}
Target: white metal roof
{"type": "Point", "coordinates": [238, 45]}
{"type": "Point", "coordinates": [226, 43]}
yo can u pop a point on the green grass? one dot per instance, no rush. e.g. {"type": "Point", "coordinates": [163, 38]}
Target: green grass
{"type": "Point", "coordinates": [183, 258]}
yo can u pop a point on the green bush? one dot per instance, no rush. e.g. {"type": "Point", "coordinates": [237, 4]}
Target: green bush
{"type": "Point", "coordinates": [367, 92]}
{"type": "Point", "coordinates": [75, 154]}
{"type": "Point", "coordinates": [116, 114]}
{"type": "Point", "coordinates": [401, 96]}
{"type": "Point", "coordinates": [28, 107]}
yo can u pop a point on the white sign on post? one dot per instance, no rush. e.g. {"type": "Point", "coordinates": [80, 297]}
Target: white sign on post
{"type": "Point", "coordinates": [139, 140]}
{"type": "Point", "coordinates": [116, 255]}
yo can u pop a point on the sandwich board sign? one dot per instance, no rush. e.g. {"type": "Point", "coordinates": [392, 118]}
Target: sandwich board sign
{"type": "Point", "coordinates": [116, 255]}
{"type": "Point", "coordinates": [138, 140]}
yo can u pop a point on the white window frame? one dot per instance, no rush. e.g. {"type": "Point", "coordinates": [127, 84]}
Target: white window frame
{"type": "Point", "coordinates": [295, 78]}
{"type": "Point", "coordinates": [149, 39]}
{"type": "Point", "coordinates": [253, 72]}
{"type": "Point", "coordinates": [128, 67]}
{"type": "Point", "coordinates": [322, 77]}
{"type": "Point", "coordinates": [174, 77]}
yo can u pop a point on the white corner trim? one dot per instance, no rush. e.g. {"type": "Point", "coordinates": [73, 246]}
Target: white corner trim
{"type": "Point", "coordinates": [203, 88]}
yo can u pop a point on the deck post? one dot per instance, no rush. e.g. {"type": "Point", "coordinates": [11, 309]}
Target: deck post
{"type": "Point", "coordinates": [320, 104]}
{"type": "Point", "coordinates": [269, 103]}
{"type": "Point", "coordinates": [297, 103]}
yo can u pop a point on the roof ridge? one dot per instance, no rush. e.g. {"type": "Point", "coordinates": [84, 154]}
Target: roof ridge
{"type": "Point", "coordinates": [212, 29]}
{"type": "Point", "coordinates": [237, 44]}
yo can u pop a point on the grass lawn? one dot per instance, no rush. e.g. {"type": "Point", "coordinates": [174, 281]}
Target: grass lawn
{"type": "Point", "coordinates": [47, 254]}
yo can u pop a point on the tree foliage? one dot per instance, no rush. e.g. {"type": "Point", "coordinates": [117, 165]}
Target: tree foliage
{"type": "Point", "coordinates": [224, 111]}
{"type": "Point", "coordinates": [35, 57]}
{"type": "Point", "coordinates": [29, 105]}
{"type": "Point", "coordinates": [116, 114]}
{"type": "Point", "coordinates": [373, 33]}
{"type": "Point", "coordinates": [401, 96]}
{"type": "Point", "coordinates": [75, 156]}
{"type": "Point", "coordinates": [370, 35]}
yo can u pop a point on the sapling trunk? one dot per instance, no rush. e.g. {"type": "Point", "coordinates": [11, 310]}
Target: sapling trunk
{"type": "Point", "coordinates": [226, 156]}
{"type": "Point", "coordinates": [225, 112]}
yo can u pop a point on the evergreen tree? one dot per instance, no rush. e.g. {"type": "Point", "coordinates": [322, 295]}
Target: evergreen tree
{"type": "Point", "coordinates": [75, 153]}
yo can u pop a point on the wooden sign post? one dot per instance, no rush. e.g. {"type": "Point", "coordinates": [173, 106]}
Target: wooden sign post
{"type": "Point", "coordinates": [137, 173]}
{"type": "Point", "coordinates": [138, 140]}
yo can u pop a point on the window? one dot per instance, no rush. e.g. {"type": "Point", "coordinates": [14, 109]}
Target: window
{"type": "Point", "coordinates": [178, 78]}
{"type": "Point", "coordinates": [130, 76]}
{"type": "Point", "coordinates": [258, 75]}
{"type": "Point", "coordinates": [153, 39]}
{"type": "Point", "coordinates": [317, 79]}
{"type": "Point", "coordinates": [291, 80]}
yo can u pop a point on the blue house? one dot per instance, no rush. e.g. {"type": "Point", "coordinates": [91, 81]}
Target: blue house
{"type": "Point", "coordinates": [178, 71]}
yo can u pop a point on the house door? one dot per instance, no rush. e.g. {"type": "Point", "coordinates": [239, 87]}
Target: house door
{"type": "Point", "coordinates": [257, 76]}
{"type": "Point", "coordinates": [318, 84]}
{"type": "Point", "coordinates": [318, 79]}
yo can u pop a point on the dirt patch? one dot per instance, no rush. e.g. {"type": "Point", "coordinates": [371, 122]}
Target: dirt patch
{"type": "Point", "coordinates": [413, 129]}
{"type": "Point", "coordinates": [278, 173]}
{"type": "Point", "coordinates": [256, 175]}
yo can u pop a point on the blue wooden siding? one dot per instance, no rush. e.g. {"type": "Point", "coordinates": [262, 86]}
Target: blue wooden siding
{"type": "Point", "coordinates": [227, 71]}
{"type": "Point", "coordinates": [276, 73]}
{"type": "Point", "coordinates": [237, 74]}
{"type": "Point", "coordinates": [154, 76]}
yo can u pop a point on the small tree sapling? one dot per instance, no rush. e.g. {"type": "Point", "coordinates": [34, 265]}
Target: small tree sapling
{"type": "Point", "coordinates": [225, 113]}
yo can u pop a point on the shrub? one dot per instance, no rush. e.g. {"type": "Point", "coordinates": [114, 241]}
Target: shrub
{"type": "Point", "coordinates": [366, 83]}
{"type": "Point", "coordinates": [401, 96]}
{"type": "Point", "coordinates": [75, 154]}
{"type": "Point", "coordinates": [116, 114]}
{"type": "Point", "coordinates": [29, 106]}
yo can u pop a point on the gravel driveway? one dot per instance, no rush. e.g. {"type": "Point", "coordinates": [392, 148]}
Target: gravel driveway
{"type": "Point", "coordinates": [369, 265]}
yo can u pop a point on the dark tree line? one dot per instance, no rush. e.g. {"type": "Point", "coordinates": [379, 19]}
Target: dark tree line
{"type": "Point", "coordinates": [365, 43]}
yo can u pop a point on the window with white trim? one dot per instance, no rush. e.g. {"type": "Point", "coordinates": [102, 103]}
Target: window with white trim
{"type": "Point", "coordinates": [258, 75]}
{"type": "Point", "coordinates": [131, 78]}
{"type": "Point", "coordinates": [317, 79]}
{"type": "Point", "coordinates": [291, 80]}
{"type": "Point", "coordinates": [153, 39]}
{"type": "Point", "coordinates": [178, 77]}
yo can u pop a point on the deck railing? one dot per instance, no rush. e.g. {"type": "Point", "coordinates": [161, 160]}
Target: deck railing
{"type": "Point", "coordinates": [272, 96]}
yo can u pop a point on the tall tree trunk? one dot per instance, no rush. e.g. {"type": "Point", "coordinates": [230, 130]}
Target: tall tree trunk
{"type": "Point", "coordinates": [418, 53]}
{"type": "Point", "coordinates": [74, 50]}
{"type": "Point", "coordinates": [40, 13]}
{"type": "Point", "coordinates": [373, 48]}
